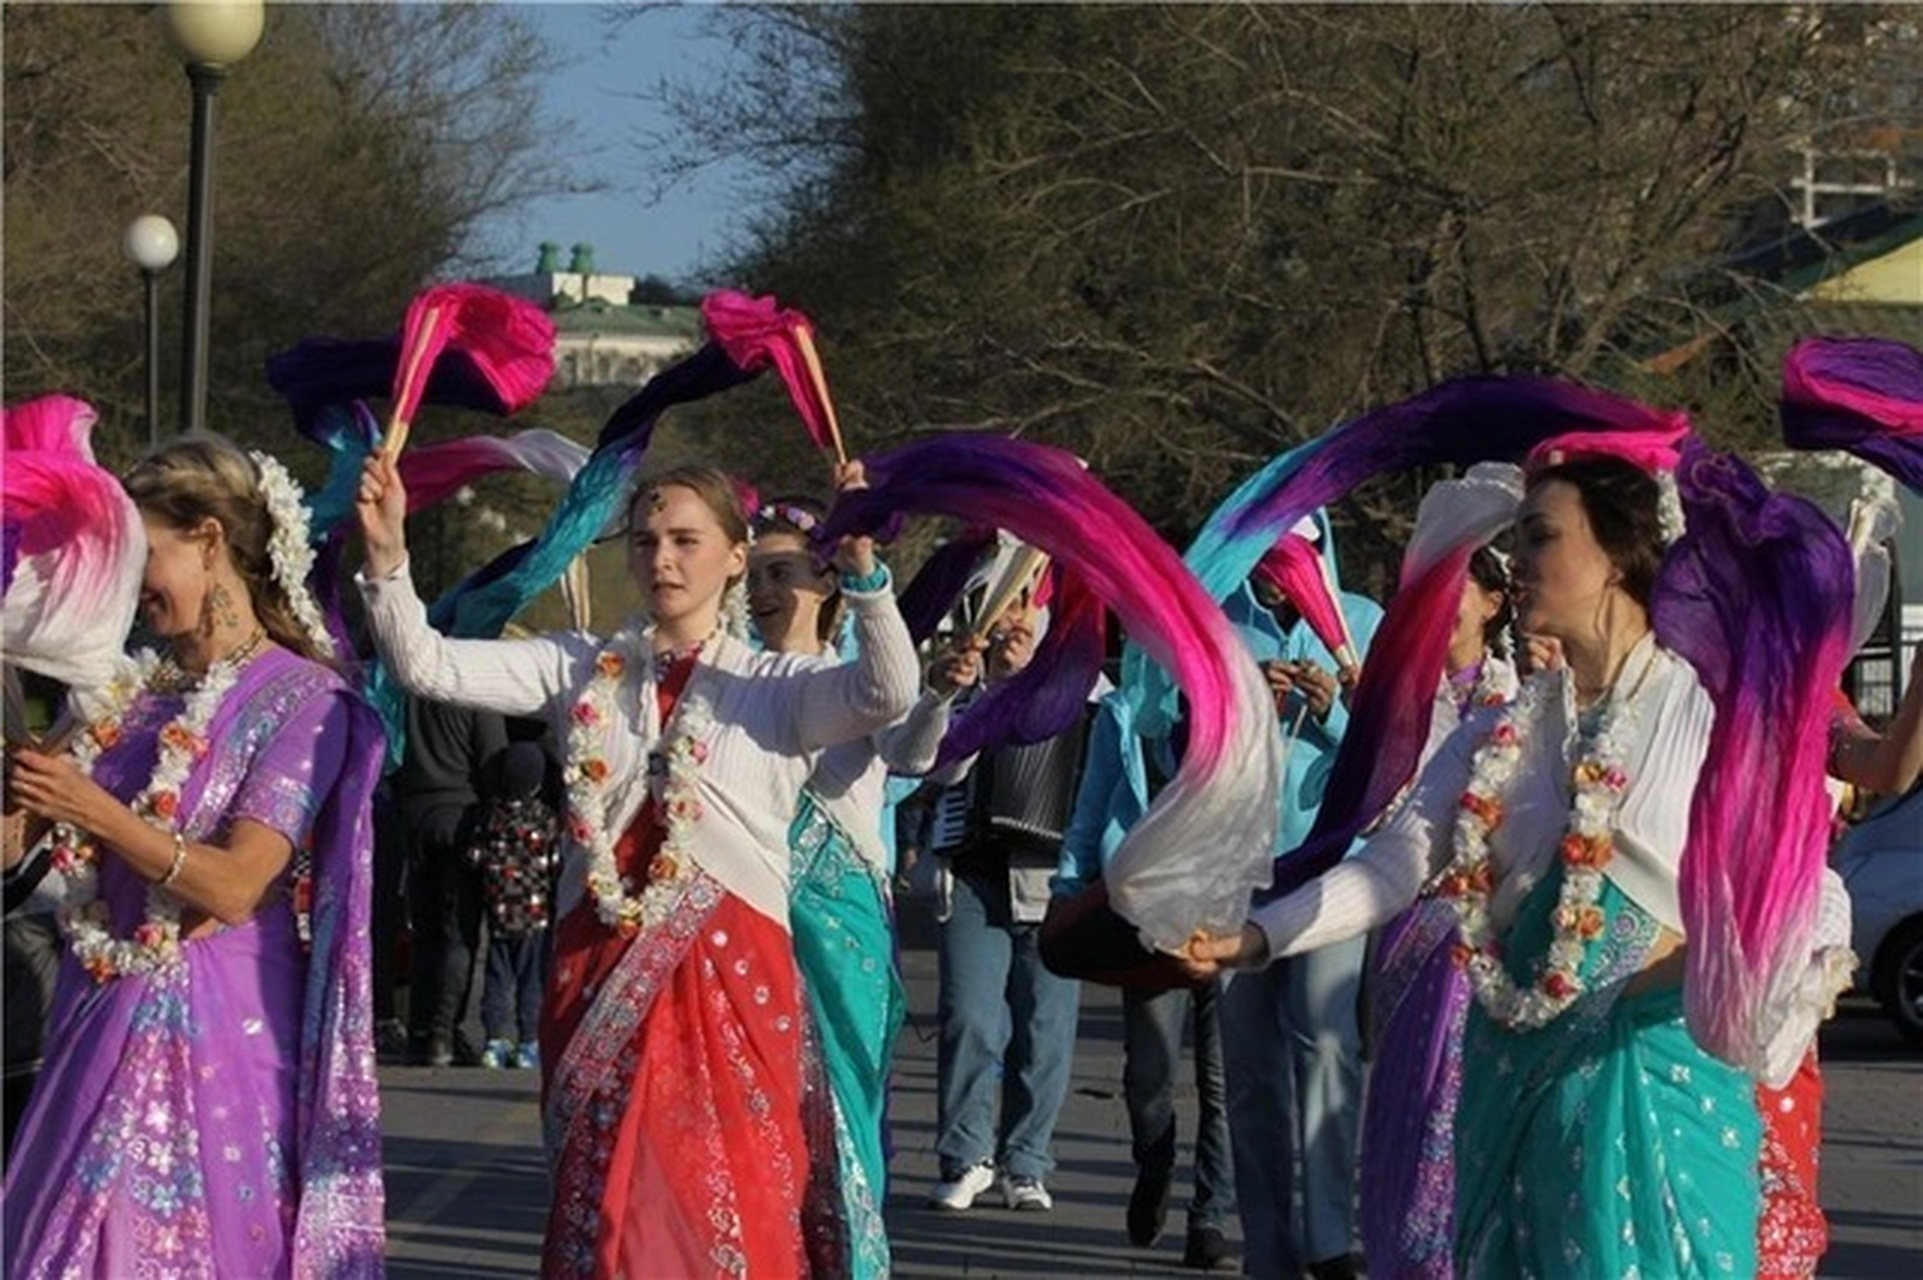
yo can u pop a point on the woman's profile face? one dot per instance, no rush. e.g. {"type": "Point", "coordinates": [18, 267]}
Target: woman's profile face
{"type": "Point", "coordinates": [179, 574]}
{"type": "Point", "coordinates": [786, 590]}
{"type": "Point", "coordinates": [1478, 606]}
{"type": "Point", "coordinates": [1561, 572]}
{"type": "Point", "coordinates": [680, 556]}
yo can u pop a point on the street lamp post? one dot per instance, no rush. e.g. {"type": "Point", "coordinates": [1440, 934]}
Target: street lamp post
{"type": "Point", "coordinates": [151, 244]}
{"type": "Point", "coordinates": [208, 36]}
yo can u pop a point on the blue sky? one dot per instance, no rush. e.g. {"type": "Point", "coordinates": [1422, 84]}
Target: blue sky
{"type": "Point", "coordinates": [593, 103]}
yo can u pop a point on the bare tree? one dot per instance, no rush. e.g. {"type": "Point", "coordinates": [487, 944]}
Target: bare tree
{"type": "Point", "coordinates": [358, 148]}
{"type": "Point", "coordinates": [1179, 239]}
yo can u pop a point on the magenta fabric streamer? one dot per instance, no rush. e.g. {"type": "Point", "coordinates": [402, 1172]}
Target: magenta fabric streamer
{"type": "Point", "coordinates": [509, 341]}
{"type": "Point", "coordinates": [432, 472]}
{"type": "Point", "coordinates": [1294, 567]}
{"type": "Point", "coordinates": [1864, 395]}
{"type": "Point", "coordinates": [757, 332]}
{"type": "Point", "coordinates": [1390, 715]}
{"type": "Point", "coordinates": [1223, 796]}
{"type": "Point", "coordinates": [1756, 596]}
{"type": "Point", "coordinates": [71, 545]}
{"type": "Point", "coordinates": [1653, 448]}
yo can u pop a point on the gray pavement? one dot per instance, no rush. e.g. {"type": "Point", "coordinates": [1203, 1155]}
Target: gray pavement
{"type": "Point", "coordinates": [467, 1191]}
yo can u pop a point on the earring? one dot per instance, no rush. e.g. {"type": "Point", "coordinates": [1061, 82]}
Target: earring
{"type": "Point", "coordinates": [222, 601]}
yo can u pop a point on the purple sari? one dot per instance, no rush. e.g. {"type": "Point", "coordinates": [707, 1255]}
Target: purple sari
{"type": "Point", "coordinates": [1420, 1003]}
{"type": "Point", "coordinates": [221, 1118]}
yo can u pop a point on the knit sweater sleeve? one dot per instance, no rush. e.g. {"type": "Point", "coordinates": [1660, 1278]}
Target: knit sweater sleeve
{"type": "Point", "coordinates": [513, 677]}
{"type": "Point", "coordinates": [857, 698]}
{"type": "Point", "coordinates": [1370, 886]}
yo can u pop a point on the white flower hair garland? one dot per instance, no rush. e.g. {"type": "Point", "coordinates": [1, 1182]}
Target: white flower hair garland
{"type": "Point", "coordinates": [288, 549]}
{"type": "Point", "coordinates": [1669, 507]}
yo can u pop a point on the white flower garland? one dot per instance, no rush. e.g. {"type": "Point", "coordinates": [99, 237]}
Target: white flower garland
{"type": "Point", "coordinates": [1586, 848]}
{"type": "Point", "coordinates": [1670, 520]}
{"type": "Point", "coordinates": [684, 750]}
{"type": "Point", "coordinates": [155, 943]}
{"type": "Point", "coordinates": [289, 549]}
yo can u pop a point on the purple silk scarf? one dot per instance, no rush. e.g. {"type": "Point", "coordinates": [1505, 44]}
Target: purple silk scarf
{"type": "Point", "coordinates": [222, 1117]}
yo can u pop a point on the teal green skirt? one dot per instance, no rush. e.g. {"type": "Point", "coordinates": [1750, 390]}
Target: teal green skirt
{"type": "Point", "coordinates": [844, 945]}
{"type": "Point", "coordinates": [1606, 1144]}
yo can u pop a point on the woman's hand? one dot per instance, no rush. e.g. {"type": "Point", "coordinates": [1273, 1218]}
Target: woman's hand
{"type": "Point", "coordinates": [54, 788]}
{"type": "Point", "coordinates": [1207, 955]}
{"type": "Point", "coordinates": [956, 669]}
{"type": "Point", "coordinates": [855, 557]}
{"type": "Point", "coordinates": [1316, 685]}
{"type": "Point", "coordinates": [382, 507]}
{"type": "Point", "coordinates": [1540, 653]}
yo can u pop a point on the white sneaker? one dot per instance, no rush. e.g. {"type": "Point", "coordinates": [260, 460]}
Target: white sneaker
{"type": "Point", "coordinates": [958, 1194]}
{"type": "Point", "coordinates": [1027, 1194]}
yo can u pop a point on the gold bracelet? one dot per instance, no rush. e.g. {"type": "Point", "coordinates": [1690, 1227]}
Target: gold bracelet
{"type": "Point", "coordinates": [179, 861]}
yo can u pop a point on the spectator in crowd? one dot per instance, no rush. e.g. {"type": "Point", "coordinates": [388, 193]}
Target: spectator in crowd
{"type": "Point", "coordinates": [1121, 777]}
{"type": "Point", "coordinates": [1007, 1037]}
{"type": "Point", "coordinates": [1291, 1033]}
{"type": "Point", "coordinates": [515, 849]}
{"type": "Point", "coordinates": [438, 792]}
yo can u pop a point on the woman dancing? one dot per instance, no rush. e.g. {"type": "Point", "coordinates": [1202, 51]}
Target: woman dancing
{"type": "Point", "coordinates": [208, 1105]}
{"type": "Point", "coordinates": [672, 1032]}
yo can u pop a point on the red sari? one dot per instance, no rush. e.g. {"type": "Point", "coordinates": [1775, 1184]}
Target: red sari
{"type": "Point", "coordinates": [672, 1084]}
{"type": "Point", "coordinates": [1792, 1232]}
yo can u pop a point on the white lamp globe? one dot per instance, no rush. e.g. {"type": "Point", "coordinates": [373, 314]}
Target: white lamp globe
{"type": "Point", "coordinates": [150, 242]}
{"type": "Point", "coordinates": [214, 33]}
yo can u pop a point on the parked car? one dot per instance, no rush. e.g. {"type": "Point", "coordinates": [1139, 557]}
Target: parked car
{"type": "Point", "coordinates": [1881, 862]}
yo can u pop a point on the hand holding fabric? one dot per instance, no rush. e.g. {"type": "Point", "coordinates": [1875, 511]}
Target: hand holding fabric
{"type": "Point", "coordinates": [381, 505]}
{"type": "Point", "coordinates": [855, 554]}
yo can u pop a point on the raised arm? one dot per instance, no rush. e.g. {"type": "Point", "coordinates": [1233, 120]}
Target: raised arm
{"type": "Point", "coordinates": [860, 697]}
{"type": "Point", "coordinates": [910, 745]}
{"type": "Point", "coordinates": [514, 677]}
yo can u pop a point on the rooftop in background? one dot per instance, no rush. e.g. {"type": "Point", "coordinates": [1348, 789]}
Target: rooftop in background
{"type": "Point", "coordinates": [610, 329]}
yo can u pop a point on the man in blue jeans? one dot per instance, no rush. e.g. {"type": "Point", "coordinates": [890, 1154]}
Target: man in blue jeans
{"type": "Point", "coordinates": [1121, 776]}
{"type": "Point", "coordinates": [1007, 1023]}
{"type": "Point", "coordinates": [1293, 1039]}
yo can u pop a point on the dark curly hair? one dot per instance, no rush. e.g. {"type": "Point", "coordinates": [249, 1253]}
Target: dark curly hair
{"type": "Point", "coordinates": [1488, 571]}
{"type": "Point", "coordinates": [1623, 503]}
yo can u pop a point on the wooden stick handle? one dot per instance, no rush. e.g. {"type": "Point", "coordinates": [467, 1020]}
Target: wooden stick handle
{"type": "Point", "coordinates": [1025, 567]}
{"type": "Point", "coordinates": [1335, 599]}
{"type": "Point", "coordinates": [413, 371]}
{"type": "Point", "coordinates": [806, 342]}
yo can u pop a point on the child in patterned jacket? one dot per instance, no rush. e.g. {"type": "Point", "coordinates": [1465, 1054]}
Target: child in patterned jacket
{"type": "Point", "coordinates": [515, 848]}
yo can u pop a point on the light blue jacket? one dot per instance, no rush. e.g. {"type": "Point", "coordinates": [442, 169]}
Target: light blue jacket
{"type": "Point", "coordinates": [1115, 785]}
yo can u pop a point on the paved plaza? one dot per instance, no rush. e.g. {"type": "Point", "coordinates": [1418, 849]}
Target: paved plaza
{"type": "Point", "coordinates": [466, 1188]}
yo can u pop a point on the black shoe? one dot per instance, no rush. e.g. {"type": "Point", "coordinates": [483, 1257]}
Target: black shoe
{"type": "Point", "coordinates": [439, 1051]}
{"type": "Point", "coordinates": [1347, 1266]}
{"type": "Point", "coordinates": [1209, 1250]}
{"type": "Point", "coordinates": [391, 1047]}
{"type": "Point", "coordinates": [1148, 1207]}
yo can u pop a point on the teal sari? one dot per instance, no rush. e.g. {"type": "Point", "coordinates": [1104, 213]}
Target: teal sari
{"type": "Point", "coordinates": [844, 944]}
{"type": "Point", "coordinates": [1606, 1144]}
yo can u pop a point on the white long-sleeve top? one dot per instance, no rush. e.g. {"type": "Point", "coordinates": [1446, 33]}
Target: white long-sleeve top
{"type": "Point", "coordinates": [850, 778]}
{"type": "Point", "coordinates": [1674, 715]}
{"type": "Point", "coordinates": [773, 714]}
